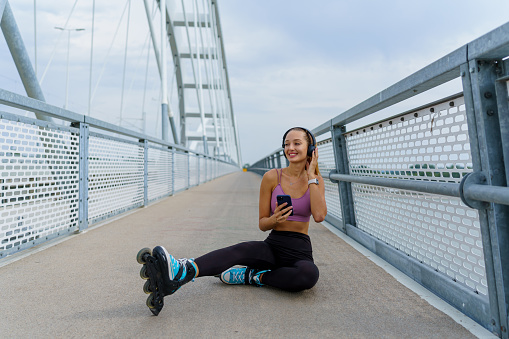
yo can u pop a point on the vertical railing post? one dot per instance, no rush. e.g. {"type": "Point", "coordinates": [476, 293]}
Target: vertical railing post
{"type": "Point", "coordinates": [483, 109]}
{"type": "Point", "coordinates": [145, 172]}
{"type": "Point", "coordinates": [342, 167]}
{"type": "Point", "coordinates": [83, 175]}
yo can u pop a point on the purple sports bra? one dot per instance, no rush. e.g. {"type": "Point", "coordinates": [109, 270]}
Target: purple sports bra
{"type": "Point", "coordinates": [301, 206]}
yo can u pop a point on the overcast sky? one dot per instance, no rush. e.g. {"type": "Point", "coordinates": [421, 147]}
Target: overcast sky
{"type": "Point", "coordinates": [291, 63]}
{"type": "Point", "coordinates": [302, 63]}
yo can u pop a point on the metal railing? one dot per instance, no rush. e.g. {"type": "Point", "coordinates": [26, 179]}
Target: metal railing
{"type": "Point", "coordinates": [56, 180]}
{"type": "Point", "coordinates": [427, 189]}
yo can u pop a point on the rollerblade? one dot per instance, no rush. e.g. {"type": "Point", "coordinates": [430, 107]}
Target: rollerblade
{"type": "Point", "coordinates": [164, 275]}
{"type": "Point", "coordinates": [242, 276]}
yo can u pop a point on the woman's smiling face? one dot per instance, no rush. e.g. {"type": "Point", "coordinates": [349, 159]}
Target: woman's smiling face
{"type": "Point", "coordinates": [296, 145]}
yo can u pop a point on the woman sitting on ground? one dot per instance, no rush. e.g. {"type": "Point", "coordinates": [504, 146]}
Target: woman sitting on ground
{"type": "Point", "coordinates": [283, 260]}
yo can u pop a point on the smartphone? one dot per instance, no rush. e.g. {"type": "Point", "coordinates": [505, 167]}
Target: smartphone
{"type": "Point", "coordinates": [285, 198]}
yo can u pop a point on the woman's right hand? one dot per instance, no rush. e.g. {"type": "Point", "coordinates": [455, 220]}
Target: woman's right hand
{"type": "Point", "coordinates": [281, 213]}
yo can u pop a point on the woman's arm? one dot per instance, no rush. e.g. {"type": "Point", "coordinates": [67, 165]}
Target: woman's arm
{"type": "Point", "coordinates": [317, 196]}
{"type": "Point", "coordinates": [316, 192]}
{"type": "Point", "coordinates": [267, 221]}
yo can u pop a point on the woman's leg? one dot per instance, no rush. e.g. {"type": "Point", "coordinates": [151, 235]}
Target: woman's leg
{"type": "Point", "coordinates": [301, 276]}
{"type": "Point", "coordinates": [255, 254]}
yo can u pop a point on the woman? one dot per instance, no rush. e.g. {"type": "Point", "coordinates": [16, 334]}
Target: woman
{"type": "Point", "coordinates": [284, 260]}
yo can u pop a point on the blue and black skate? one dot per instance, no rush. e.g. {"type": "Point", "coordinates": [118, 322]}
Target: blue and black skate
{"type": "Point", "coordinates": [164, 275]}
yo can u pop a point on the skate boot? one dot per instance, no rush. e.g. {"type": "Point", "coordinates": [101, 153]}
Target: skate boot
{"type": "Point", "coordinates": [175, 272]}
{"type": "Point", "coordinates": [164, 275]}
{"type": "Point", "coordinates": [242, 276]}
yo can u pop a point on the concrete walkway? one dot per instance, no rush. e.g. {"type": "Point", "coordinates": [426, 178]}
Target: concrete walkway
{"type": "Point", "coordinates": [89, 285]}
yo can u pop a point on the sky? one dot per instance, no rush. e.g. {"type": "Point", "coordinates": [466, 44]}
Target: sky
{"type": "Point", "coordinates": [290, 63]}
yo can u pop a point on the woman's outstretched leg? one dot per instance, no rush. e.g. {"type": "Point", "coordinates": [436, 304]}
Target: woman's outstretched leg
{"type": "Point", "coordinates": [176, 272]}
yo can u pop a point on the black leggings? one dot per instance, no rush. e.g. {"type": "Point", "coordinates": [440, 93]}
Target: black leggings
{"type": "Point", "coordinates": [288, 256]}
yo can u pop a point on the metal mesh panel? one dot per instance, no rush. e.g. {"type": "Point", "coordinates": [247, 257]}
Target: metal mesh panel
{"type": "Point", "coordinates": [39, 183]}
{"type": "Point", "coordinates": [203, 169]}
{"type": "Point", "coordinates": [210, 169]}
{"type": "Point", "coordinates": [431, 144]}
{"type": "Point", "coordinates": [223, 169]}
{"type": "Point", "coordinates": [159, 173]}
{"type": "Point", "coordinates": [193, 170]}
{"type": "Point", "coordinates": [283, 160]}
{"type": "Point", "coordinates": [327, 163]}
{"type": "Point", "coordinates": [115, 177]}
{"type": "Point", "coordinates": [181, 171]}
{"type": "Point", "coordinates": [424, 145]}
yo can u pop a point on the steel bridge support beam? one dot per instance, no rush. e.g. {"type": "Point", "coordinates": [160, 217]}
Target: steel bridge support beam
{"type": "Point", "coordinates": [486, 107]}
{"type": "Point", "coordinates": [2, 7]}
{"type": "Point", "coordinates": [178, 77]}
{"type": "Point", "coordinates": [20, 56]}
{"type": "Point", "coordinates": [227, 80]}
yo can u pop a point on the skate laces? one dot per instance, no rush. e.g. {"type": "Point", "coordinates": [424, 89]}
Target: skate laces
{"type": "Point", "coordinates": [183, 263]}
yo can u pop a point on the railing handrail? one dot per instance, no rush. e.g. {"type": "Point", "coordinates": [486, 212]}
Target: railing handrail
{"type": "Point", "coordinates": [36, 106]}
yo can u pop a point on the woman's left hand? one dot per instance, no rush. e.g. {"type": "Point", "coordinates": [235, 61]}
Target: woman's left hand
{"type": "Point", "coordinates": [311, 165]}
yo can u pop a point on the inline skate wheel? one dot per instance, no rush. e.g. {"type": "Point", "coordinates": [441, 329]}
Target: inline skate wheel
{"type": "Point", "coordinates": [143, 273]}
{"type": "Point", "coordinates": [151, 301]}
{"type": "Point", "coordinates": [141, 257]}
{"type": "Point", "coordinates": [146, 287]}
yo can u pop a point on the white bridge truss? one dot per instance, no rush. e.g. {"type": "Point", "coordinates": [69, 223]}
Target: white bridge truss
{"type": "Point", "coordinates": [121, 63]}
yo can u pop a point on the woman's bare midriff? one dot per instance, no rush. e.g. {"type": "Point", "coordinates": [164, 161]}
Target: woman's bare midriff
{"type": "Point", "coordinates": [293, 226]}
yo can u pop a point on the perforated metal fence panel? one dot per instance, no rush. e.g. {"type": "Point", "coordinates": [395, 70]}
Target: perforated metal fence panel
{"type": "Point", "coordinates": [327, 163]}
{"type": "Point", "coordinates": [203, 170]}
{"type": "Point", "coordinates": [431, 144]}
{"type": "Point", "coordinates": [193, 170]}
{"type": "Point", "coordinates": [210, 170]}
{"type": "Point", "coordinates": [282, 158]}
{"type": "Point", "coordinates": [116, 173]}
{"type": "Point", "coordinates": [39, 183]}
{"type": "Point", "coordinates": [181, 175]}
{"type": "Point", "coordinates": [160, 171]}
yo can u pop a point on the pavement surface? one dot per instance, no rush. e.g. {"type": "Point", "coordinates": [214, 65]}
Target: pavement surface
{"type": "Point", "coordinates": [89, 285]}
